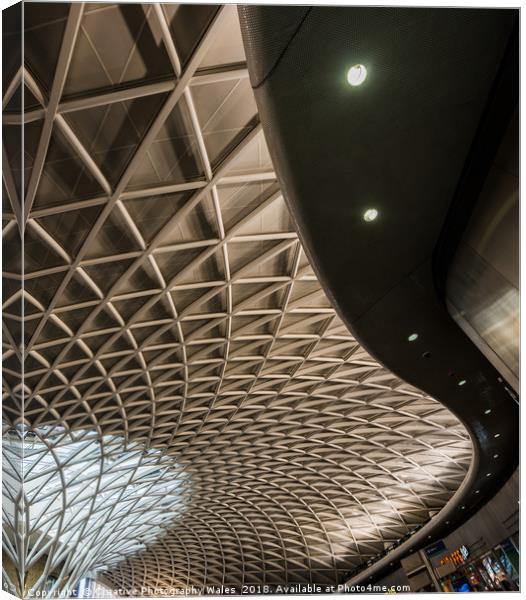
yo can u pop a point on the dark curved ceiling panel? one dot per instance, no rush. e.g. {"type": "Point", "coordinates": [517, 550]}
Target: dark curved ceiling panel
{"type": "Point", "coordinates": [398, 143]}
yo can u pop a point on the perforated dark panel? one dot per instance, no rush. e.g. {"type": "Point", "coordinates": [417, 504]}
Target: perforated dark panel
{"type": "Point", "coordinates": [267, 34]}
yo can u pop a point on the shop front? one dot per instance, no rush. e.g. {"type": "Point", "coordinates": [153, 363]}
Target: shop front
{"type": "Point", "coordinates": [495, 570]}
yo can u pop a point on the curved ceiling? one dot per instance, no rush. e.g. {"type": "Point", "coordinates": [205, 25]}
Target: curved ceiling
{"type": "Point", "coordinates": [168, 306]}
{"type": "Point", "coordinates": [413, 142]}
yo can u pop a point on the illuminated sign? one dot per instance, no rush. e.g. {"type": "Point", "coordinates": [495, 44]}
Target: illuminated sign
{"type": "Point", "coordinates": [457, 557]}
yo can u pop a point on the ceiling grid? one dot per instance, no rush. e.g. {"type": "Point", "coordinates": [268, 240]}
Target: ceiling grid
{"type": "Point", "coordinates": [168, 306]}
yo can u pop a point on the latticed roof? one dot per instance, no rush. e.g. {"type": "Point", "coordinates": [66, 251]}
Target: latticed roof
{"type": "Point", "coordinates": [167, 305]}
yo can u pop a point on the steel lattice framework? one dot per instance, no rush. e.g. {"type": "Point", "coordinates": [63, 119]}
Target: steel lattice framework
{"type": "Point", "coordinates": [166, 304]}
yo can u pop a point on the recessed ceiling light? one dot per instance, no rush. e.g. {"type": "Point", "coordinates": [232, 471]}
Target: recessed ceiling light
{"type": "Point", "coordinates": [488, 474]}
{"type": "Point", "coordinates": [462, 507]}
{"type": "Point", "coordinates": [356, 75]}
{"type": "Point", "coordinates": [477, 491]}
{"type": "Point", "coordinates": [370, 215]}
{"type": "Point", "coordinates": [487, 411]}
{"type": "Point", "coordinates": [497, 435]}
{"type": "Point", "coordinates": [462, 382]}
{"type": "Point", "coordinates": [412, 337]}
{"type": "Point", "coordinates": [495, 456]}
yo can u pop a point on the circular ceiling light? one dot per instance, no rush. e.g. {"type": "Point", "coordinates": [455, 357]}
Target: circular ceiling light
{"type": "Point", "coordinates": [356, 75]}
{"type": "Point", "coordinates": [462, 382]}
{"type": "Point", "coordinates": [487, 411]}
{"type": "Point", "coordinates": [370, 215]}
{"type": "Point", "coordinates": [412, 337]}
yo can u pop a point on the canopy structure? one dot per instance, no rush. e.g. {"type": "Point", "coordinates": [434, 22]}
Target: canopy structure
{"type": "Point", "coordinates": [167, 317]}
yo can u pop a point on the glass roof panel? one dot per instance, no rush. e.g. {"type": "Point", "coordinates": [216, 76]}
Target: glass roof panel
{"type": "Point", "coordinates": [254, 158]}
{"type": "Point", "coordinates": [227, 112]}
{"type": "Point", "coordinates": [43, 30]}
{"type": "Point", "coordinates": [100, 63]}
{"type": "Point", "coordinates": [227, 48]}
{"type": "Point", "coordinates": [64, 177]}
{"type": "Point", "coordinates": [111, 133]}
{"type": "Point", "coordinates": [188, 23]}
{"type": "Point", "coordinates": [173, 156]}
{"type": "Point", "coordinates": [12, 136]}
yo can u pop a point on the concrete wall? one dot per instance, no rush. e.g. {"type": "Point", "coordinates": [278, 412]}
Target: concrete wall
{"type": "Point", "coordinates": [483, 282]}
